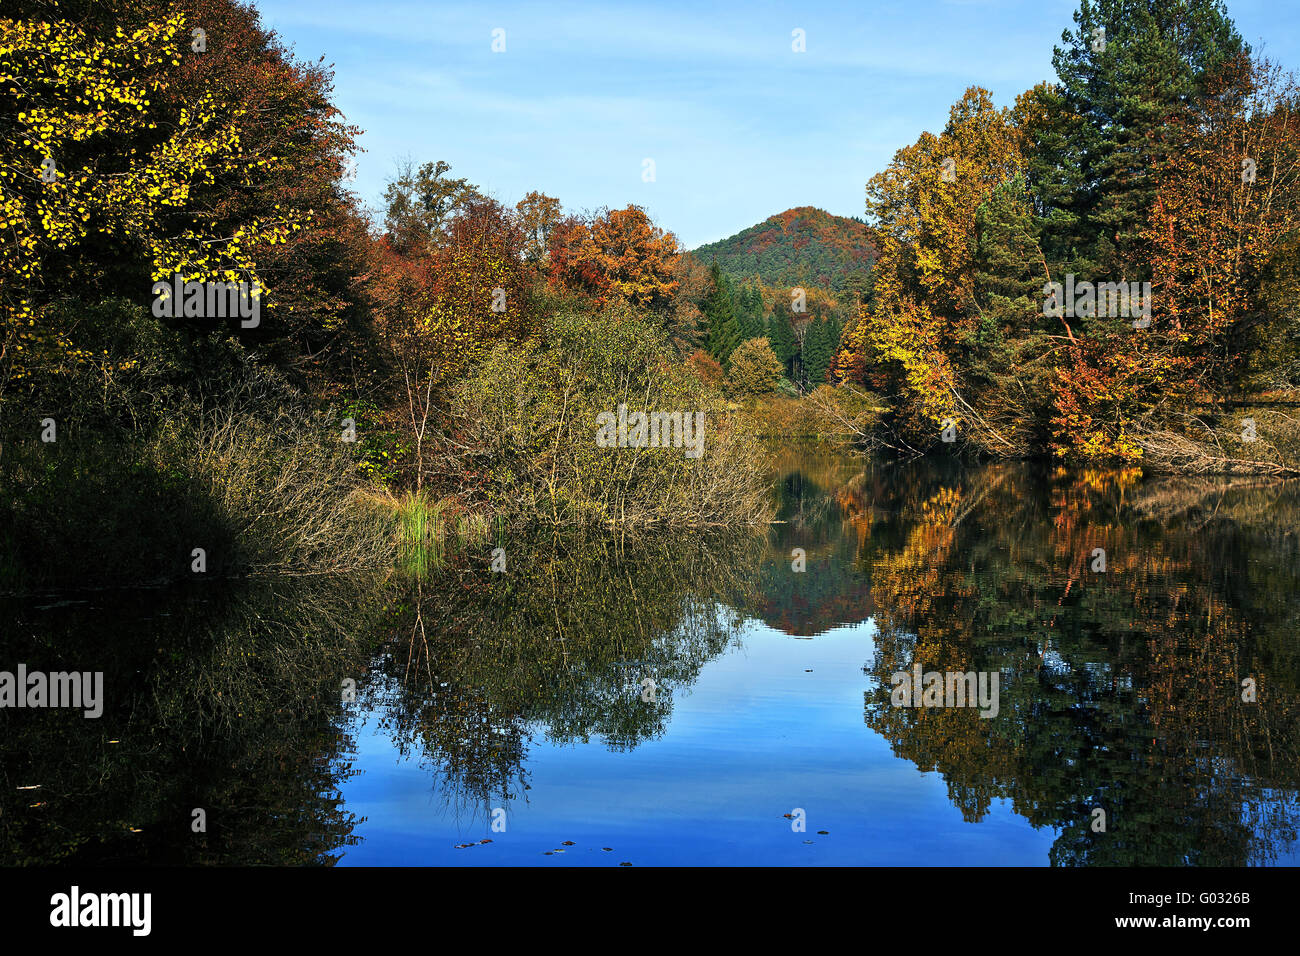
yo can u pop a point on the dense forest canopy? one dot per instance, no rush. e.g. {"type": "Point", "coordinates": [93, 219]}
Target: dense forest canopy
{"type": "Point", "coordinates": [805, 246]}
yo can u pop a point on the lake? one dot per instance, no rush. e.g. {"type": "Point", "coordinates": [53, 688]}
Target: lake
{"type": "Point", "coordinates": [694, 699]}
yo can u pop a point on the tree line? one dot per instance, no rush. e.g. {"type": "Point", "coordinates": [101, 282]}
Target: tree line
{"type": "Point", "coordinates": [1165, 154]}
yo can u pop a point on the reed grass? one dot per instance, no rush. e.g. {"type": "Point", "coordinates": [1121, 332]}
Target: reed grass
{"type": "Point", "coordinates": [430, 529]}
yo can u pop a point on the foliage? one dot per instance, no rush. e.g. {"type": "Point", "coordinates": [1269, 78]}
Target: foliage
{"type": "Point", "coordinates": [619, 255]}
{"type": "Point", "coordinates": [167, 160]}
{"type": "Point", "coordinates": [754, 369]}
{"type": "Point", "coordinates": [539, 214]}
{"type": "Point", "coordinates": [257, 493]}
{"type": "Point", "coordinates": [438, 312]}
{"type": "Point", "coordinates": [705, 368]}
{"type": "Point", "coordinates": [526, 422]}
{"type": "Point", "coordinates": [1108, 176]}
{"type": "Point", "coordinates": [805, 247]}
{"type": "Point", "coordinates": [76, 99]}
{"type": "Point", "coordinates": [419, 204]}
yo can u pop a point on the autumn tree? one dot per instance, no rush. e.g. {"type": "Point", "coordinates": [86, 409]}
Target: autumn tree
{"type": "Point", "coordinates": [705, 367]}
{"type": "Point", "coordinates": [439, 312]}
{"type": "Point", "coordinates": [619, 254]}
{"type": "Point", "coordinates": [108, 175]}
{"type": "Point", "coordinates": [538, 215]}
{"type": "Point", "coordinates": [925, 206]}
{"type": "Point", "coordinates": [221, 164]}
{"type": "Point", "coordinates": [1227, 203]}
{"type": "Point", "coordinates": [420, 202]}
{"type": "Point", "coordinates": [687, 322]}
{"type": "Point", "coordinates": [754, 369]}
{"type": "Point", "coordinates": [565, 271]}
{"type": "Point", "coordinates": [316, 322]}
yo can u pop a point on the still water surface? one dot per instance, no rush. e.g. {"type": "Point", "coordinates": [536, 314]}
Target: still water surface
{"type": "Point", "coordinates": [512, 708]}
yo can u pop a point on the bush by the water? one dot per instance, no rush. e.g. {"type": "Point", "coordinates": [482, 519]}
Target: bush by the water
{"type": "Point", "coordinates": [527, 421]}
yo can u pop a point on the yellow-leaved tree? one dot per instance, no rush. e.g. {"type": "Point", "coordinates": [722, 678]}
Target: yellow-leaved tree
{"type": "Point", "coordinates": [97, 158]}
{"type": "Point", "coordinates": [924, 205]}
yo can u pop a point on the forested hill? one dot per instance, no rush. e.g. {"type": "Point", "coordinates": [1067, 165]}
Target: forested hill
{"type": "Point", "coordinates": [802, 246]}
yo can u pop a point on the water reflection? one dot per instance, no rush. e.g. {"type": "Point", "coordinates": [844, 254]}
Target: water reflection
{"type": "Point", "coordinates": [561, 646]}
{"type": "Point", "coordinates": [1119, 689]}
{"type": "Point", "coordinates": [223, 701]}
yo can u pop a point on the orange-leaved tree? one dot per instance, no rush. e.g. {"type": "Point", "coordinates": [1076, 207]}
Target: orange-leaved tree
{"type": "Point", "coordinates": [443, 308]}
{"type": "Point", "coordinates": [619, 255]}
{"type": "Point", "coordinates": [1228, 200]}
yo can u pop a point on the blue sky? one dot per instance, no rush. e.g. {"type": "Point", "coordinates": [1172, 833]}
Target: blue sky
{"type": "Point", "coordinates": [738, 125]}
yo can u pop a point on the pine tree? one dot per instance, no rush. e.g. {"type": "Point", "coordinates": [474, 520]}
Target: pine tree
{"type": "Point", "coordinates": [860, 286]}
{"type": "Point", "coordinates": [780, 333]}
{"type": "Point", "coordinates": [750, 309]}
{"type": "Point", "coordinates": [1155, 57]}
{"type": "Point", "coordinates": [1009, 267]}
{"type": "Point", "coordinates": [818, 349]}
{"type": "Point", "coordinates": [719, 316]}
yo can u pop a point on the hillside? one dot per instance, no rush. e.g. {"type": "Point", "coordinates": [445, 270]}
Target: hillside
{"type": "Point", "coordinates": [802, 246]}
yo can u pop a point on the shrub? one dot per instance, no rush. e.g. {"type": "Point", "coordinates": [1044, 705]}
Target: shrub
{"type": "Point", "coordinates": [526, 422]}
{"type": "Point", "coordinates": [258, 487]}
{"type": "Point", "coordinates": [705, 367]}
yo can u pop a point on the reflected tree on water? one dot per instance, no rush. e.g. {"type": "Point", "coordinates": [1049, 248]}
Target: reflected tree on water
{"type": "Point", "coordinates": [479, 664]}
{"type": "Point", "coordinates": [1120, 690]}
